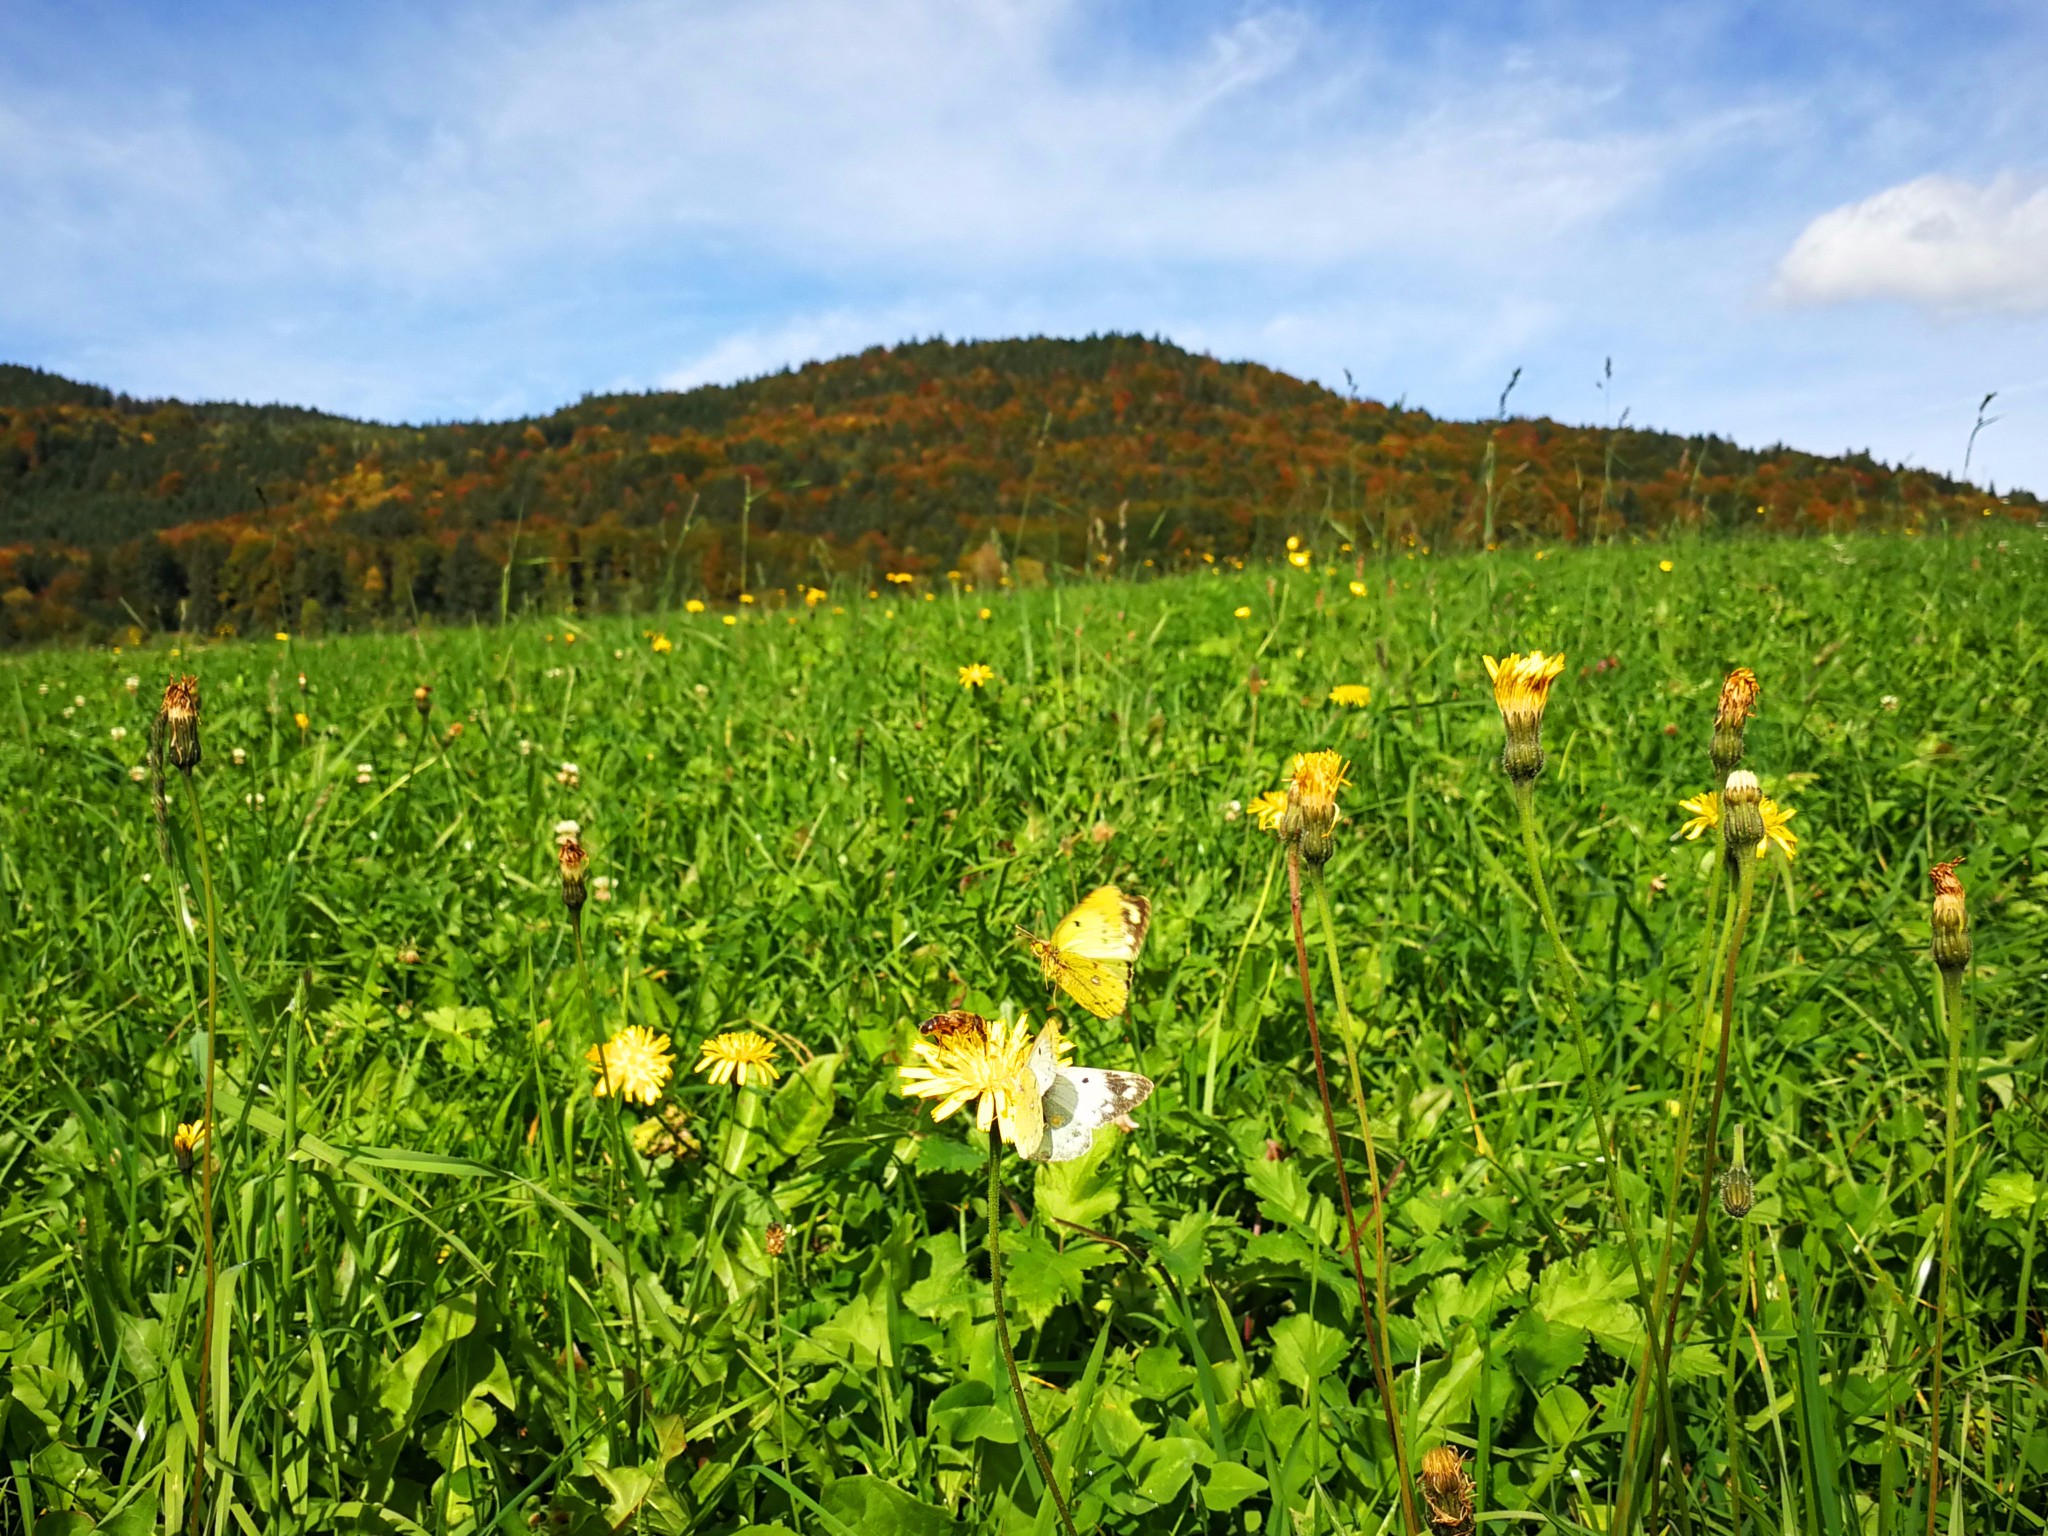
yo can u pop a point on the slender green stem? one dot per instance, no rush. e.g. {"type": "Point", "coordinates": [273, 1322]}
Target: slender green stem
{"type": "Point", "coordinates": [622, 1151]}
{"type": "Point", "coordinates": [1949, 1014]}
{"type": "Point", "coordinates": [1381, 1367]}
{"type": "Point", "coordinates": [208, 1154]}
{"type": "Point", "coordinates": [1346, 1028]}
{"type": "Point", "coordinates": [1733, 1418]}
{"type": "Point", "coordinates": [1568, 971]}
{"type": "Point", "coordinates": [995, 1281]}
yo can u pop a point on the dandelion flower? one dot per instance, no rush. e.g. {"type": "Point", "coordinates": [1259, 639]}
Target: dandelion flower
{"type": "Point", "coordinates": [694, 605]}
{"type": "Point", "coordinates": [738, 1056]}
{"type": "Point", "coordinates": [1358, 589]}
{"type": "Point", "coordinates": [1268, 808]}
{"type": "Point", "coordinates": [635, 1064]}
{"type": "Point", "coordinates": [186, 1140]}
{"type": "Point", "coordinates": [300, 720]}
{"type": "Point", "coordinates": [1521, 687]}
{"type": "Point", "coordinates": [1351, 695]}
{"type": "Point", "coordinates": [986, 613]}
{"type": "Point", "coordinates": [1310, 819]}
{"type": "Point", "coordinates": [987, 1064]}
{"type": "Point", "coordinates": [976, 675]}
{"type": "Point", "coordinates": [728, 620]}
{"type": "Point", "coordinates": [1242, 613]}
{"type": "Point", "coordinates": [1299, 559]}
{"type": "Point", "coordinates": [662, 645]}
{"type": "Point", "coordinates": [1704, 813]}
{"type": "Point", "coordinates": [1665, 566]}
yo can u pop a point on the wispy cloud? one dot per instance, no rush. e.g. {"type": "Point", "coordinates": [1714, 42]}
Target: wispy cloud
{"type": "Point", "coordinates": [1937, 242]}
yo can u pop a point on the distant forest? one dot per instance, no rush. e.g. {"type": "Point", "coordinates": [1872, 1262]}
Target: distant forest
{"type": "Point", "coordinates": [931, 462]}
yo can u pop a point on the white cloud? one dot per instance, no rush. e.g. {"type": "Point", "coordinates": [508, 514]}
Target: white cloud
{"type": "Point", "coordinates": [1936, 242]}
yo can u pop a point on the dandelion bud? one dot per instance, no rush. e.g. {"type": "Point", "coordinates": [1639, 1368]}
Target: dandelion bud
{"type": "Point", "coordinates": [1738, 703]}
{"type": "Point", "coordinates": [1742, 816]}
{"type": "Point", "coordinates": [1521, 687]}
{"type": "Point", "coordinates": [575, 865]}
{"type": "Point", "coordinates": [188, 1138]}
{"type": "Point", "coordinates": [1738, 1192]}
{"type": "Point", "coordinates": [1951, 920]}
{"type": "Point", "coordinates": [1310, 818]}
{"type": "Point", "coordinates": [775, 1239]}
{"type": "Point", "coordinates": [423, 700]}
{"type": "Point", "coordinates": [177, 724]}
{"type": "Point", "coordinates": [1447, 1489]}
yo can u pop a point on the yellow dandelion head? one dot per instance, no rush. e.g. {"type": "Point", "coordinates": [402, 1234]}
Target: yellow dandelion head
{"type": "Point", "coordinates": [300, 720]}
{"type": "Point", "coordinates": [186, 1140]}
{"type": "Point", "coordinates": [662, 645]}
{"type": "Point", "coordinates": [1242, 613]}
{"type": "Point", "coordinates": [1358, 589]}
{"type": "Point", "coordinates": [1299, 559]}
{"type": "Point", "coordinates": [1351, 695]}
{"type": "Point", "coordinates": [1269, 807]}
{"type": "Point", "coordinates": [1703, 815]}
{"type": "Point", "coordinates": [739, 1057]}
{"type": "Point", "coordinates": [986, 1062]}
{"type": "Point", "coordinates": [694, 605]}
{"type": "Point", "coordinates": [635, 1064]}
{"type": "Point", "coordinates": [1521, 687]}
{"type": "Point", "coordinates": [1310, 819]}
{"type": "Point", "coordinates": [1776, 833]}
{"type": "Point", "coordinates": [976, 675]}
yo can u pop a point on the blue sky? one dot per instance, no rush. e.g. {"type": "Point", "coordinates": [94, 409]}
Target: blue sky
{"type": "Point", "coordinates": [1823, 223]}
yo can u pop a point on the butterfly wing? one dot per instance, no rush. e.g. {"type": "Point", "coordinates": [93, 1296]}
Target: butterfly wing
{"type": "Point", "coordinates": [1082, 1101]}
{"type": "Point", "coordinates": [1025, 1101]}
{"type": "Point", "coordinates": [1100, 986]}
{"type": "Point", "coordinates": [1106, 925]}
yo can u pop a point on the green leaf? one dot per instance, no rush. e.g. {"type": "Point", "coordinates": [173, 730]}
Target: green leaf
{"type": "Point", "coordinates": [2011, 1195]}
{"type": "Point", "coordinates": [1560, 1415]}
{"type": "Point", "coordinates": [1543, 1351]}
{"type": "Point", "coordinates": [871, 1507]}
{"type": "Point", "coordinates": [1230, 1484]}
{"type": "Point", "coordinates": [802, 1106]}
{"type": "Point", "coordinates": [1083, 1191]}
{"type": "Point", "coordinates": [1304, 1350]}
{"type": "Point", "coordinates": [1588, 1291]}
{"type": "Point", "coordinates": [1185, 1253]}
{"type": "Point", "coordinates": [1038, 1276]}
{"type": "Point", "coordinates": [1171, 1465]}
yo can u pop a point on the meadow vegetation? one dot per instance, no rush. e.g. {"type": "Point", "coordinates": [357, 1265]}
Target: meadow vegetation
{"type": "Point", "coordinates": [454, 1290]}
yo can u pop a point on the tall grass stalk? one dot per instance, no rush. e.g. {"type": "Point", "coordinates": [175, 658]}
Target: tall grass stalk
{"type": "Point", "coordinates": [1950, 1014]}
{"type": "Point", "coordinates": [1381, 1365]}
{"type": "Point", "coordinates": [995, 1281]}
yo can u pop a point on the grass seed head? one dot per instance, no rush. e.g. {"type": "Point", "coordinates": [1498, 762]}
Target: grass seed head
{"type": "Point", "coordinates": [1521, 688]}
{"type": "Point", "coordinates": [1951, 919]}
{"type": "Point", "coordinates": [1742, 817]}
{"type": "Point", "coordinates": [1738, 702]}
{"type": "Point", "coordinates": [1447, 1489]}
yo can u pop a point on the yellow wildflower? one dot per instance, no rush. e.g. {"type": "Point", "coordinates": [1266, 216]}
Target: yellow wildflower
{"type": "Point", "coordinates": [694, 605]}
{"type": "Point", "coordinates": [738, 1056]}
{"type": "Point", "coordinates": [976, 675]}
{"type": "Point", "coordinates": [986, 1062]}
{"type": "Point", "coordinates": [1521, 687]}
{"type": "Point", "coordinates": [1705, 816]}
{"type": "Point", "coordinates": [1242, 613]}
{"type": "Point", "coordinates": [663, 645]}
{"type": "Point", "coordinates": [634, 1064]}
{"type": "Point", "coordinates": [1351, 695]}
{"type": "Point", "coordinates": [1268, 808]}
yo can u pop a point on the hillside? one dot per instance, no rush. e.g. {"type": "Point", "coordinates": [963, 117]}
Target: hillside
{"type": "Point", "coordinates": [1110, 453]}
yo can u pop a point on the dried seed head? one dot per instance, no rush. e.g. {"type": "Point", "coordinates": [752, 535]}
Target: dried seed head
{"type": "Point", "coordinates": [1521, 688]}
{"type": "Point", "coordinates": [1738, 1191]}
{"type": "Point", "coordinates": [1951, 919]}
{"type": "Point", "coordinates": [1742, 817]}
{"type": "Point", "coordinates": [423, 700]}
{"type": "Point", "coordinates": [1738, 702]}
{"type": "Point", "coordinates": [1448, 1491]}
{"type": "Point", "coordinates": [775, 1239]}
{"type": "Point", "coordinates": [575, 864]}
{"type": "Point", "coordinates": [177, 723]}
{"type": "Point", "coordinates": [1310, 819]}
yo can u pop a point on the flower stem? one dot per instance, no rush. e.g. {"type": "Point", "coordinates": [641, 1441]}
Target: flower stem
{"type": "Point", "coordinates": [1346, 1028]}
{"type": "Point", "coordinates": [995, 1281]}
{"type": "Point", "coordinates": [1382, 1376]}
{"type": "Point", "coordinates": [208, 1148]}
{"type": "Point", "coordinates": [1568, 972]}
{"type": "Point", "coordinates": [1949, 1014]}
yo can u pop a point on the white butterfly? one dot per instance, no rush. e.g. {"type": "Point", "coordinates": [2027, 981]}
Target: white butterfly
{"type": "Point", "coordinates": [1076, 1102]}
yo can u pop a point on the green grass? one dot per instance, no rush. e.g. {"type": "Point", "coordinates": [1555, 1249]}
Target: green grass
{"type": "Point", "coordinates": [425, 1318]}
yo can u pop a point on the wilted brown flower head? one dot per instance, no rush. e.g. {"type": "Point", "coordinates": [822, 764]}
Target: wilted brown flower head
{"type": "Point", "coordinates": [177, 724]}
{"type": "Point", "coordinates": [1951, 918]}
{"type": "Point", "coordinates": [1738, 702]}
{"type": "Point", "coordinates": [775, 1239]}
{"type": "Point", "coordinates": [1448, 1491]}
{"type": "Point", "coordinates": [1310, 819]}
{"type": "Point", "coordinates": [1742, 816]}
{"type": "Point", "coordinates": [575, 864]}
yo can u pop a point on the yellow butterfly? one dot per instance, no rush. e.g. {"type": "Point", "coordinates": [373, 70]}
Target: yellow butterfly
{"type": "Point", "coordinates": [1089, 954]}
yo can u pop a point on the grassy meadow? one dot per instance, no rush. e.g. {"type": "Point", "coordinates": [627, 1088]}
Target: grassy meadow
{"type": "Point", "coordinates": [456, 1292]}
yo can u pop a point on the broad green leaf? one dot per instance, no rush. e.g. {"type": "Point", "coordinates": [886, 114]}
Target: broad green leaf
{"type": "Point", "coordinates": [1305, 1350]}
{"type": "Point", "coordinates": [1229, 1484]}
{"type": "Point", "coordinates": [1560, 1414]}
{"type": "Point", "coordinates": [2007, 1195]}
{"type": "Point", "coordinates": [1167, 1470]}
{"type": "Point", "coordinates": [802, 1106]}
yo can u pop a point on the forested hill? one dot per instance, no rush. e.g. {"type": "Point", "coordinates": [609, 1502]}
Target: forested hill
{"type": "Point", "coordinates": [987, 460]}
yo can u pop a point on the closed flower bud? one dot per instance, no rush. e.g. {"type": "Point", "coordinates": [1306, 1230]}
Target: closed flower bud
{"type": "Point", "coordinates": [1742, 816]}
{"type": "Point", "coordinates": [1447, 1489]}
{"type": "Point", "coordinates": [1521, 687]}
{"type": "Point", "coordinates": [1951, 919]}
{"type": "Point", "coordinates": [1738, 703]}
{"type": "Point", "coordinates": [177, 724]}
{"type": "Point", "coordinates": [1738, 1192]}
{"type": "Point", "coordinates": [1310, 819]}
{"type": "Point", "coordinates": [575, 864]}
{"type": "Point", "coordinates": [423, 700]}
